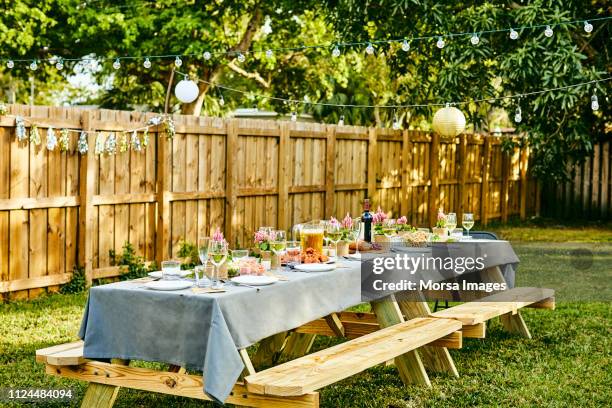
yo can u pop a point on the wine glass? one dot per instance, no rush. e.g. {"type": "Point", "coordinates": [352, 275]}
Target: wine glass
{"type": "Point", "coordinates": [293, 251]}
{"type": "Point", "coordinates": [356, 233]}
{"type": "Point", "coordinates": [217, 252]}
{"type": "Point", "coordinates": [334, 234]}
{"type": "Point", "coordinates": [467, 222]}
{"type": "Point", "coordinates": [203, 249]}
{"type": "Point", "coordinates": [279, 243]}
{"type": "Point", "coordinates": [388, 227]}
{"type": "Point", "coordinates": [451, 222]}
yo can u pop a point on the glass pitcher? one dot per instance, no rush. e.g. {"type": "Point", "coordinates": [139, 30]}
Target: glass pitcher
{"type": "Point", "coordinates": [311, 236]}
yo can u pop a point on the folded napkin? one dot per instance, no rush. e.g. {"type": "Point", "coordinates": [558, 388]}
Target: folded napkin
{"type": "Point", "coordinates": [207, 290]}
{"type": "Point", "coordinates": [279, 277]}
{"type": "Point", "coordinates": [144, 279]}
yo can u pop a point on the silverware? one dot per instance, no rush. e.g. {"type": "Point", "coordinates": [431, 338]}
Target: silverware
{"type": "Point", "coordinates": [240, 284]}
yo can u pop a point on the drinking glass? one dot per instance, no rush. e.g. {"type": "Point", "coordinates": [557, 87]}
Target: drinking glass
{"type": "Point", "coordinates": [467, 222]}
{"type": "Point", "coordinates": [217, 252]}
{"type": "Point", "coordinates": [266, 230]}
{"type": "Point", "coordinates": [356, 233]}
{"type": "Point", "coordinates": [451, 222]}
{"type": "Point", "coordinates": [389, 227]}
{"type": "Point", "coordinates": [239, 254]}
{"type": "Point", "coordinates": [279, 242]}
{"type": "Point", "coordinates": [201, 280]}
{"type": "Point", "coordinates": [293, 251]}
{"type": "Point", "coordinates": [203, 249]}
{"type": "Point", "coordinates": [311, 236]}
{"type": "Point", "coordinates": [333, 232]}
{"type": "Point", "coordinates": [171, 270]}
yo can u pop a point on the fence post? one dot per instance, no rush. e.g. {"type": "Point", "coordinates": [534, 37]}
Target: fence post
{"type": "Point", "coordinates": [484, 187]}
{"type": "Point", "coordinates": [231, 178]}
{"type": "Point", "coordinates": [434, 170]}
{"type": "Point", "coordinates": [406, 179]}
{"type": "Point", "coordinates": [372, 160]}
{"type": "Point", "coordinates": [330, 163]}
{"type": "Point", "coordinates": [164, 167]}
{"type": "Point", "coordinates": [86, 193]}
{"type": "Point", "coordinates": [462, 175]}
{"type": "Point", "coordinates": [523, 199]}
{"type": "Point", "coordinates": [283, 175]}
{"type": "Point", "coordinates": [505, 185]}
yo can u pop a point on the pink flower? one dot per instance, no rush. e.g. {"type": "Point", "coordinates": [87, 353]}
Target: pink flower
{"type": "Point", "coordinates": [441, 215]}
{"type": "Point", "coordinates": [379, 216]}
{"type": "Point", "coordinates": [402, 220]}
{"type": "Point", "coordinates": [334, 222]}
{"type": "Point", "coordinates": [218, 236]}
{"type": "Point", "coordinates": [347, 222]}
{"type": "Point", "coordinates": [260, 236]}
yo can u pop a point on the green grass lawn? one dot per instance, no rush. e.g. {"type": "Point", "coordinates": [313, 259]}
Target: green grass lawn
{"type": "Point", "coordinates": [567, 363]}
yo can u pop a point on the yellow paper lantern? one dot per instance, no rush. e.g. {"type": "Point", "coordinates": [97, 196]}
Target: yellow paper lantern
{"type": "Point", "coordinates": [449, 121]}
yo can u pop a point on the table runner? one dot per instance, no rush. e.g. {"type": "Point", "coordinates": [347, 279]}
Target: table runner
{"type": "Point", "coordinates": [205, 331]}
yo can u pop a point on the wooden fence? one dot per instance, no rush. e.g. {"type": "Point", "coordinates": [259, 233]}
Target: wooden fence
{"type": "Point", "coordinates": [60, 210]}
{"type": "Point", "coordinates": [588, 193]}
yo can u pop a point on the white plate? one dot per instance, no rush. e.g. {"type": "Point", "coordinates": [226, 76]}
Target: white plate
{"type": "Point", "coordinates": [355, 257]}
{"type": "Point", "coordinates": [315, 267]}
{"type": "Point", "coordinates": [168, 285]}
{"type": "Point", "coordinates": [158, 274]}
{"type": "Point", "coordinates": [255, 280]}
{"type": "Point", "coordinates": [407, 249]}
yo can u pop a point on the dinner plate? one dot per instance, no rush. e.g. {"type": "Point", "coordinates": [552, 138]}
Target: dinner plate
{"type": "Point", "coordinates": [354, 257]}
{"type": "Point", "coordinates": [254, 280]}
{"type": "Point", "coordinates": [168, 285]}
{"type": "Point", "coordinates": [315, 267]}
{"type": "Point", "coordinates": [409, 250]}
{"type": "Point", "coordinates": [158, 274]}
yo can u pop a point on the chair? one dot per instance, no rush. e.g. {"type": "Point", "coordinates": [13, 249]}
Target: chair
{"type": "Point", "coordinates": [477, 235]}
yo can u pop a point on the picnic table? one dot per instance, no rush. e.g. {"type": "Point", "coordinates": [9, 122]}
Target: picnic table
{"type": "Point", "coordinates": [209, 333]}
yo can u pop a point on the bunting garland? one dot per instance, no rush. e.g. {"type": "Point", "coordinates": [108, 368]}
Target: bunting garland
{"type": "Point", "coordinates": [64, 141]}
{"type": "Point", "coordinates": [51, 139]}
{"type": "Point", "coordinates": [82, 145]}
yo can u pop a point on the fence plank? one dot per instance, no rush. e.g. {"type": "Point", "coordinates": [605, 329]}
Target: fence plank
{"type": "Point", "coordinates": [330, 166]}
{"type": "Point", "coordinates": [434, 171]}
{"type": "Point", "coordinates": [86, 214]}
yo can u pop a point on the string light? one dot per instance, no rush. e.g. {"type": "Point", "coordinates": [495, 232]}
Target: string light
{"type": "Point", "coordinates": [341, 121]}
{"type": "Point", "coordinates": [241, 57]}
{"type": "Point", "coordinates": [147, 63]}
{"type": "Point", "coordinates": [206, 55]}
{"type": "Point", "coordinates": [440, 43]}
{"type": "Point", "coordinates": [588, 27]}
{"type": "Point", "coordinates": [60, 64]}
{"type": "Point", "coordinates": [294, 116]}
{"type": "Point", "coordinates": [117, 64]}
{"type": "Point", "coordinates": [405, 46]}
{"type": "Point", "coordinates": [34, 66]}
{"type": "Point", "coordinates": [10, 64]}
{"type": "Point", "coordinates": [518, 117]}
{"type": "Point", "coordinates": [178, 62]}
{"type": "Point", "coordinates": [370, 49]}
{"type": "Point", "coordinates": [594, 102]}
{"type": "Point", "coordinates": [336, 52]}
{"type": "Point", "coordinates": [221, 100]}
{"type": "Point", "coordinates": [396, 122]}
{"type": "Point", "coordinates": [475, 40]}
{"type": "Point", "coordinates": [513, 34]}
{"type": "Point", "coordinates": [548, 32]}
{"type": "Point", "coordinates": [269, 53]}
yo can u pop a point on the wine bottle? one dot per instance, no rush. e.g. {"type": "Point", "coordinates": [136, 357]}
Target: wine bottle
{"type": "Point", "coordinates": [366, 218]}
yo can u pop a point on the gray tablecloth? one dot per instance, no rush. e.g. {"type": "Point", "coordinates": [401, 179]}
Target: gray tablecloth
{"type": "Point", "coordinates": [205, 331]}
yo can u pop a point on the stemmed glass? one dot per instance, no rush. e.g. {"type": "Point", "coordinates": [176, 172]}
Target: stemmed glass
{"type": "Point", "coordinates": [279, 243]}
{"type": "Point", "coordinates": [388, 228]}
{"type": "Point", "coordinates": [217, 251]}
{"type": "Point", "coordinates": [356, 233]}
{"type": "Point", "coordinates": [334, 234]}
{"type": "Point", "coordinates": [451, 222]}
{"type": "Point", "coordinates": [203, 255]}
{"type": "Point", "coordinates": [467, 222]}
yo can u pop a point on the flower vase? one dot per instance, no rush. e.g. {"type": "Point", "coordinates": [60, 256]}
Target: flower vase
{"type": "Point", "coordinates": [266, 259]}
{"type": "Point", "coordinates": [441, 232]}
{"type": "Point", "coordinates": [343, 248]}
{"type": "Point", "coordinates": [275, 261]}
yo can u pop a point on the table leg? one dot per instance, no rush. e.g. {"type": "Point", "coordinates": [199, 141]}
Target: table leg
{"type": "Point", "coordinates": [102, 395]}
{"type": "Point", "coordinates": [513, 323]}
{"type": "Point", "coordinates": [298, 345]}
{"type": "Point", "coordinates": [437, 359]}
{"type": "Point", "coordinates": [409, 365]}
{"type": "Point", "coordinates": [269, 350]}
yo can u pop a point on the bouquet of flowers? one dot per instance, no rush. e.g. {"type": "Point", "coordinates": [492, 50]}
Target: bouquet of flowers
{"type": "Point", "coordinates": [218, 236]}
{"type": "Point", "coordinates": [377, 219]}
{"type": "Point", "coordinates": [347, 228]}
{"type": "Point", "coordinates": [441, 220]}
{"type": "Point", "coordinates": [402, 225]}
{"type": "Point", "coordinates": [263, 240]}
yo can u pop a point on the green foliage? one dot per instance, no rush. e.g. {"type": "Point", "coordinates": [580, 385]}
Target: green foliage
{"type": "Point", "coordinates": [77, 284]}
{"type": "Point", "coordinates": [189, 253]}
{"type": "Point", "coordinates": [132, 265]}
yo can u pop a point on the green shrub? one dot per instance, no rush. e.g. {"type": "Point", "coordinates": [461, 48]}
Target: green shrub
{"type": "Point", "coordinates": [77, 283]}
{"type": "Point", "coordinates": [132, 265]}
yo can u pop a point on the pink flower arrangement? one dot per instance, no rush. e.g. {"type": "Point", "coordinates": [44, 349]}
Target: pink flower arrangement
{"type": "Point", "coordinates": [218, 236]}
{"type": "Point", "coordinates": [347, 222]}
{"type": "Point", "coordinates": [334, 222]}
{"type": "Point", "coordinates": [379, 216]}
{"type": "Point", "coordinates": [262, 239]}
{"type": "Point", "coordinates": [441, 222]}
{"type": "Point", "coordinates": [402, 220]}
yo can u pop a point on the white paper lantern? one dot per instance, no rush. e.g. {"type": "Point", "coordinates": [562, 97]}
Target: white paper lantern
{"type": "Point", "coordinates": [186, 91]}
{"type": "Point", "coordinates": [449, 121]}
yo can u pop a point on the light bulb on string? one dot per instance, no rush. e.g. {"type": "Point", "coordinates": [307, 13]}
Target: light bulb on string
{"type": "Point", "coordinates": [588, 27]}
{"type": "Point", "coordinates": [594, 103]}
{"type": "Point", "coordinates": [241, 57]}
{"type": "Point", "coordinates": [396, 122]}
{"type": "Point", "coordinates": [147, 63]}
{"type": "Point", "coordinates": [405, 46]}
{"type": "Point", "coordinates": [10, 64]}
{"type": "Point", "coordinates": [370, 49]}
{"type": "Point", "coordinates": [341, 121]}
{"type": "Point", "coordinates": [548, 32]}
{"type": "Point", "coordinates": [269, 53]}
{"type": "Point", "coordinates": [518, 117]}
{"type": "Point", "coordinates": [475, 40]}
{"type": "Point", "coordinates": [34, 65]}
{"type": "Point", "coordinates": [206, 55]}
{"type": "Point", "coordinates": [514, 34]}
{"type": "Point", "coordinates": [440, 43]}
{"type": "Point", "coordinates": [336, 51]}
{"type": "Point", "coordinates": [293, 116]}
{"type": "Point", "coordinates": [178, 62]}
{"type": "Point", "coordinates": [59, 65]}
{"type": "Point", "coordinates": [221, 100]}
{"type": "Point", "coordinates": [117, 64]}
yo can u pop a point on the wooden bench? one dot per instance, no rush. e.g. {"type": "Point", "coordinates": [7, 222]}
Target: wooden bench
{"type": "Point", "coordinates": [314, 371]}
{"type": "Point", "coordinates": [505, 304]}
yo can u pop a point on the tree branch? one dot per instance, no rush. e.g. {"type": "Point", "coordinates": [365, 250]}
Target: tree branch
{"type": "Point", "coordinates": [251, 75]}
